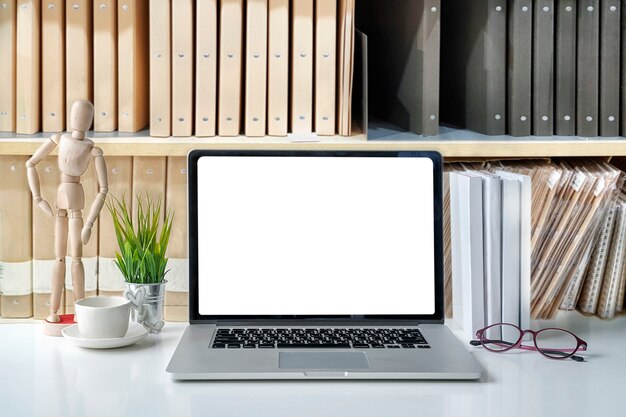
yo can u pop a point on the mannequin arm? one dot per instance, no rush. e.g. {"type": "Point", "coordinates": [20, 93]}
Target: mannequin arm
{"type": "Point", "coordinates": [33, 175]}
{"type": "Point", "coordinates": [103, 184]}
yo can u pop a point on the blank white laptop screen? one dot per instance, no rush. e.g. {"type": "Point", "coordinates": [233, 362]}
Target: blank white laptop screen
{"type": "Point", "coordinates": [315, 236]}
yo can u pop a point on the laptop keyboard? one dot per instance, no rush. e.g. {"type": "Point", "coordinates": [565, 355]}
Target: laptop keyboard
{"type": "Point", "coordinates": [347, 338]}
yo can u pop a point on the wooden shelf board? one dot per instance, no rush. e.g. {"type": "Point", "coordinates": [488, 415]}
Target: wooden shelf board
{"type": "Point", "coordinates": [452, 143]}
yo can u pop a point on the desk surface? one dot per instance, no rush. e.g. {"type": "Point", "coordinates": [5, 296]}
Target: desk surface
{"type": "Point", "coordinates": [49, 377]}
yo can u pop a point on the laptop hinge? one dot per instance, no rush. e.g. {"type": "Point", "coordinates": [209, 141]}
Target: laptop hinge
{"type": "Point", "coordinates": [322, 322]}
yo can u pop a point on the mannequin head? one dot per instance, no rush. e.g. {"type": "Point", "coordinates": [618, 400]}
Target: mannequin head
{"type": "Point", "coordinates": [81, 115]}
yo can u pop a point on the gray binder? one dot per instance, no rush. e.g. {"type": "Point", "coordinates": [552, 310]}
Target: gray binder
{"type": "Point", "coordinates": [474, 65]}
{"type": "Point", "coordinates": [428, 44]}
{"type": "Point", "coordinates": [543, 68]}
{"type": "Point", "coordinates": [519, 62]}
{"type": "Point", "coordinates": [405, 54]}
{"type": "Point", "coordinates": [565, 65]}
{"type": "Point", "coordinates": [588, 67]}
{"type": "Point", "coordinates": [623, 77]}
{"type": "Point", "coordinates": [609, 67]}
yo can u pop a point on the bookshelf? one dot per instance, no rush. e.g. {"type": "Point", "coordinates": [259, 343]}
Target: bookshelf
{"type": "Point", "coordinates": [390, 101]}
{"type": "Point", "coordinates": [451, 143]}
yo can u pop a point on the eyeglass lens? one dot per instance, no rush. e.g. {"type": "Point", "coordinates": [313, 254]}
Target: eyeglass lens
{"type": "Point", "coordinates": [556, 343]}
{"type": "Point", "coordinates": [500, 337]}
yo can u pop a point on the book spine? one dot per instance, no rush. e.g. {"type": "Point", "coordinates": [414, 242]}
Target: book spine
{"type": "Point", "coordinates": [565, 67]}
{"type": "Point", "coordinates": [525, 250]}
{"type": "Point", "coordinates": [206, 67]}
{"type": "Point", "coordinates": [43, 239]}
{"type": "Point", "coordinates": [474, 228]}
{"type": "Point", "coordinates": [78, 54]}
{"type": "Point", "coordinates": [344, 72]}
{"type": "Point", "coordinates": [429, 43]}
{"type": "Point", "coordinates": [543, 68]}
{"type": "Point", "coordinates": [53, 66]}
{"type": "Point", "coordinates": [256, 68]}
{"type": "Point", "coordinates": [230, 67]}
{"type": "Point", "coordinates": [511, 234]}
{"type": "Point", "coordinates": [610, 17]}
{"type": "Point", "coordinates": [16, 287]}
{"type": "Point", "coordinates": [182, 67]}
{"type": "Point", "coordinates": [519, 56]}
{"type": "Point", "coordinates": [133, 72]}
{"type": "Point", "coordinates": [28, 77]}
{"type": "Point", "coordinates": [623, 74]}
{"type": "Point", "coordinates": [105, 65]}
{"type": "Point", "coordinates": [149, 178]}
{"type": "Point", "coordinates": [278, 68]}
{"type": "Point", "coordinates": [302, 67]}
{"type": "Point", "coordinates": [8, 57]}
{"type": "Point", "coordinates": [492, 212]}
{"type": "Point", "coordinates": [495, 65]}
{"type": "Point", "coordinates": [177, 293]}
{"type": "Point", "coordinates": [325, 66]}
{"type": "Point", "coordinates": [587, 90]}
{"type": "Point", "coordinates": [119, 171]}
{"type": "Point", "coordinates": [160, 68]}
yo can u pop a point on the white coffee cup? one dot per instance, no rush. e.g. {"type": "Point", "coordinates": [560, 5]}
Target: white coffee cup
{"type": "Point", "coordinates": [102, 317]}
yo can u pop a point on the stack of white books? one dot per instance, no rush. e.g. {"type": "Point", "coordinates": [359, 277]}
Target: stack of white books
{"type": "Point", "coordinates": [491, 248]}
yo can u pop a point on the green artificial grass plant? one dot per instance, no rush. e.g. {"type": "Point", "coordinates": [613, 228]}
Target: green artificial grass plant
{"type": "Point", "coordinates": [142, 246]}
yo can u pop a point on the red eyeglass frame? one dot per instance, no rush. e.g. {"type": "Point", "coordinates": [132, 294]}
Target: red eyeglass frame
{"type": "Point", "coordinates": [568, 353]}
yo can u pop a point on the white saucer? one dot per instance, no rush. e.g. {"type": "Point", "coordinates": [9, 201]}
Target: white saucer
{"type": "Point", "coordinates": [135, 333]}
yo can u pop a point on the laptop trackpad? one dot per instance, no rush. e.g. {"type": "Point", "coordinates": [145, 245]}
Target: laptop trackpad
{"type": "Point", "coordinates": [323, 360]}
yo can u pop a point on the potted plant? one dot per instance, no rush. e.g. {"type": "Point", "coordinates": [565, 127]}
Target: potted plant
{"type": "Point", "coordinates": [141, 258]}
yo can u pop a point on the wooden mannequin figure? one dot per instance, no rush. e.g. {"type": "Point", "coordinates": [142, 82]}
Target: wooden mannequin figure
{"type": "Point", "coordinates": [75, 152]}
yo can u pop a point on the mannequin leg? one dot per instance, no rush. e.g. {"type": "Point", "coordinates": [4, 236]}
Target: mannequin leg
{"type": "Point", "coordinates": [76, 252]}
{"type": "Point", "coordinates": [58, 271]}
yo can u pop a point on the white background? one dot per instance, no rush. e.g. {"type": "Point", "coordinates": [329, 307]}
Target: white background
{"type": "Point", "coordinates": [315, 236]}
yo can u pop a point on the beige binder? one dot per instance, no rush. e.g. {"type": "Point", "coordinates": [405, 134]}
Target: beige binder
{"type": "Point", "coordinates": [16, 284]}
{"type": "Point", "coordinates": [325, 66]}
{"type": "Point", "coordinates": [302, 67]}
{"type": "Point", "coordinates": [43, 239]}
{"type": "Point", "coordinates": [8, 24]}
{"type": "Point", "coordinates": [278, 68]}
{"type": "Point", "coordinates": [256, 68]}
{"type": "Point", "coordinates": [133, 74]}
{"type": "Point", "coordinates": [53, 66]}
{"type": "Point", "coordinates": [231, 35]}
{"type": "Point", "coordinates": [160, 68]}
{"type": "Point", "coordinates": [105, 65]}
{"type": "Point", "coordinates": [177, 293]}
{"type": "Point", "coordinates": [120, 172]}
{"type": "Point", "coordinates": [28, 118]}
{"type": "Point", "coordinates": [345, 64]}
{"type": "Point", "coordinates": [148, 177]}
{"type": "Point", "coordinates": [89, 181]}
{"type": "Point", "coordinates": [206, 67]}
{"type": "Point", "coordinates": [79, 53]}
{"type": "Point", "coordinates": [182, 67]}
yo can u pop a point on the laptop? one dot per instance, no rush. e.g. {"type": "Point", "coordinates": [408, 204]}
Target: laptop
{"type": "Point", "coordinates": [316, 265]}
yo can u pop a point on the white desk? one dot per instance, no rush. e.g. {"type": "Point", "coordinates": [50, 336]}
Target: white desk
{"type": "Point", "coordinates": [49, 377]}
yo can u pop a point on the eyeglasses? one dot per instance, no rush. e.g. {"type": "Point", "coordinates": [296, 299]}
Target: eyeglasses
{"type": "Point", "coordinates": [552, 343]}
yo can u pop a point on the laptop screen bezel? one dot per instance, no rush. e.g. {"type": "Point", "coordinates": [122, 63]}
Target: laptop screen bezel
{"type": "Point", "coordinates": [192, 164]}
